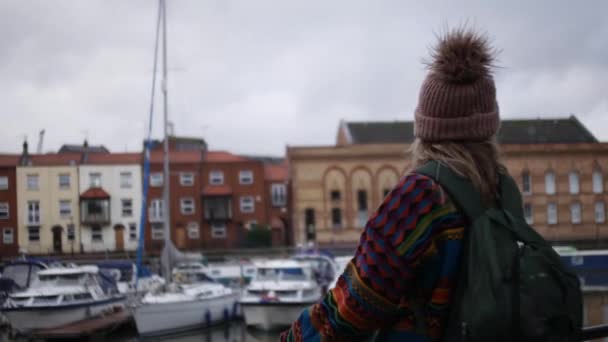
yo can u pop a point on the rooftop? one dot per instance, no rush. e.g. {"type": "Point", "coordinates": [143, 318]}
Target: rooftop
{"type": "Point", "coordinates": [521, 131]}
{"type": "Point", "coordinates": [177, 157]}
{"type": "Point", "coordinates": [9, 159]}
{"type": "Point", "coordinates": [276, 172]}
{"type": "Point", "coordinates": [54, 159]}
{"type": "Point", "coordinates": [83, 148]}
{"type": "Point", "coordinates": [223, 157]}
{"type": "Point", "coordinates": [114, 158]}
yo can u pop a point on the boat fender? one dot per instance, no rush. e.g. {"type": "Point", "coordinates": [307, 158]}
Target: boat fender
{"type": "Point", "coordinates": [207, 318]}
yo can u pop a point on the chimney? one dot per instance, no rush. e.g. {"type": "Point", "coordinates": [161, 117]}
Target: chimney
{"type": "Point", "coordinates": [25, 155]}
{"type": "Point", "coordinates": [85, 153]}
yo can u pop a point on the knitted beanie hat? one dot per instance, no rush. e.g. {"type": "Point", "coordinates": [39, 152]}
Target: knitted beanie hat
{"type": "Point", "coordinates": [457, 100]}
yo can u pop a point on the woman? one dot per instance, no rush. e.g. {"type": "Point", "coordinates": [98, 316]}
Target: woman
{"type": "Point", "coordinates": [399, 284]}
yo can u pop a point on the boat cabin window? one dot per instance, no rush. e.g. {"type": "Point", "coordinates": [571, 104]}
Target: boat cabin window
{"type": "Point", "coordinates": [215, 272]}
{"type": "Point", "coordinates": [46, 299]}
{"type": "Point", "coordinates": [82, 296]}
{"type": "Point", "coordinates": [61, 279]}
{"type": "Point", "coordinates": [17, 273]}
{"type": "Point", "coordinates": [291, 273]}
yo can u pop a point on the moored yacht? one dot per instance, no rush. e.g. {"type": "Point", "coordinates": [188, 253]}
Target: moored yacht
{"type": "Point", "coordinates": [192, 301]}
{"type": "Point", "coordinates": [278, 293]}
{"type": "Point", "coordinates": [62, 295]}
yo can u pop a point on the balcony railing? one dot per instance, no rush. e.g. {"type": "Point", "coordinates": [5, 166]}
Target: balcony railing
{"type": "Point", "coordinates": [98, 218]}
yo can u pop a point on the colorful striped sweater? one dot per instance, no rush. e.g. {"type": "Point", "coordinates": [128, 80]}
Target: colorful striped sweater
{"type": "Point", "coordinates": [398, 285]}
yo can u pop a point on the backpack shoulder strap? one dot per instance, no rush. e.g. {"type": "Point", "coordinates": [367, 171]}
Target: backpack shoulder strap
{"type": "Point", "coordinates": [460, 189]}
{"type": "Point", "coordinates": [510, 197]}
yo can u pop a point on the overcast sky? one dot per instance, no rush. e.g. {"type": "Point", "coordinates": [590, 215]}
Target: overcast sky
{"type": "Point", "coordinates": [253, 76]}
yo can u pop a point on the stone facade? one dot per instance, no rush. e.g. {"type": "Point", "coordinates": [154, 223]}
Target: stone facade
{"type": "Point", "coordinates": [340, 186]}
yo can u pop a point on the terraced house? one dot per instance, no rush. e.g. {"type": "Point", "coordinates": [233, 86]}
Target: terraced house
{"type": "Point", "coordinates": [110, 201]}
{"type": "Point", "coordinates": [47, 201]}
{"type": "Point", "coordinates": [559, 165]}
{"type": "Point", "coordinates": [8, 206]}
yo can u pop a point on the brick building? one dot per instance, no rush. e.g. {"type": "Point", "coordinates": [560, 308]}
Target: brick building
{"type": "Point", "coordinates": [277, 203]}
{"type": "Point", "coordinates": [234, 197]}
{"type": "Point", "coordinates": [559, 165]}
{"type": "Point", "coordinates": [9, 245]}
{"type": "Point", "coordinates": [185, 160]}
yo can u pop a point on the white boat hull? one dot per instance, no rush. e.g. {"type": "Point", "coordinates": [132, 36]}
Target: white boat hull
{"type": "Point", "coordinates": [168, 318]}
{"type": "Point", "coordinates": [29, 319]}
{"type": "Point", "coordinates": [271, 316]}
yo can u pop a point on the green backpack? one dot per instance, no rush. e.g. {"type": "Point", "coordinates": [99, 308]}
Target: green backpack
{"type": "Point", "coordinates": [512, 285]}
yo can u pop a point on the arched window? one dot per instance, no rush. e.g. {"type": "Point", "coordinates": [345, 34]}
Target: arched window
{"type": "Point", "coordinates": [598, 181]}
{"type": "Point", "coordinates": [550, 183]}
{"type": "Point", "coordinates": [526, 182]}
{"type": "Point", "coordinates": [573, 180]}
{"type": "Point", "coordinates": [576, 212]}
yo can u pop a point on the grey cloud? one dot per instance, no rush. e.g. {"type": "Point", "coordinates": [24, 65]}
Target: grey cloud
{"type": "Point", "coordinates": [252, 76]}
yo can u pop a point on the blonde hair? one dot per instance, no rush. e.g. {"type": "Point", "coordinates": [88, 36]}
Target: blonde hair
{"type": "Point", "coordinates": [477, 161]}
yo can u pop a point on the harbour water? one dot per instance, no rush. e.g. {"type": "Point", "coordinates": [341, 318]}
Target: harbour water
{"type": "Point", "coordinates": [234, 332]}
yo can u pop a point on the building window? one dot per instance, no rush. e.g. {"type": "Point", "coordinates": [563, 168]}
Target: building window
{"type": "Point", "coordinates": [126, 180]}
{"type": "Point", "coordinates": [526, 183]}
{"type": "Point", "coordinates": [32, 182]}
{"type": "Point", "coordinates": [65, 208]}
{"type": "Point", "coordinates": [95, 180]}
{"type": "Point", "coordinates": [186, 179]}
{"type": "Point", "coordinates": [132, 231]}
{"type": "Point", "coordinates": [550, 183]}
{"type": "Point", "coordinates": [216, 177]}
{"type": "Point", "coordinates": [193, 231]}
{"type": "Point", "coordinates": [279, 195]}
{"type": "Point", "coordinates": [3, 183]}
{"type": "Point", "coordinates": [246, 177]}
{"type": "Point", "coordinates": [362, 207]}
{"type": "Point", "coordinates": [64, 181]}
{"type": "Point", "coordinates": [33, 234]}
{"type": "Point", "coordinates": [528, 214]}
{"type": "Point", "coordinates": [156, 210]}
{"type": "Point", "coordinates": [552, 213]}
{"type": "Point", "coordinates": [247, 204]}
{"type": "Point", "coordinates": [598, 181]}
{"type": "Point", "coordinates": [4, 211]}
{"type": "Point", "coordinates": [218, 208]}
{"type": "Point", "coordinates": [218, 230]}
{"type": "Point", "coordinates": [71, 232]}
{"type": "Point", "coordinates": [309, 223]}
{"type": "Point", "coordinates": [158, 231]}
{"type": "Point", "coordinates": [127, 207]}
{"type": "Point", "coordinates": [335, 195]}
{"type": "Point", "coordinates": [336, 218]}
{"type": "Point", "coordinates": [573, 181]}
{"type": "Point", "coordinates": [33, 213]}
{"type": "Point", "coordinates": [187, 206]}
{"type": "Point", "coordinates": [600, 212]}
{"type": "Point", "coordinates": [96, 234]}
{"type": "Point", "coordinates": [575, 212]}
{"type": "Point", "coordinates": [156, 179]}
{"type": "Point", "coordinates": [7, 236]}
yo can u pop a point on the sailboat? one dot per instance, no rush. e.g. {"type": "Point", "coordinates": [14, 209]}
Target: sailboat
{"type": "Point", "coordinates": [188, 301]}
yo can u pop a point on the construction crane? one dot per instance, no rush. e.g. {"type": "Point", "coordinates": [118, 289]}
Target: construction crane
{"type": "Point", "coordinates": [40, 141]}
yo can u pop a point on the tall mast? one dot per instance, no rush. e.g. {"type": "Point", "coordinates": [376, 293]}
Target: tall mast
{"type": "Point", "coordinates": [166, 178]}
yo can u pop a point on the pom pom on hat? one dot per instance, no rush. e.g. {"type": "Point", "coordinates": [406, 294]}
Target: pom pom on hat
{"type": "Point", "coordinates": [457, 100]}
